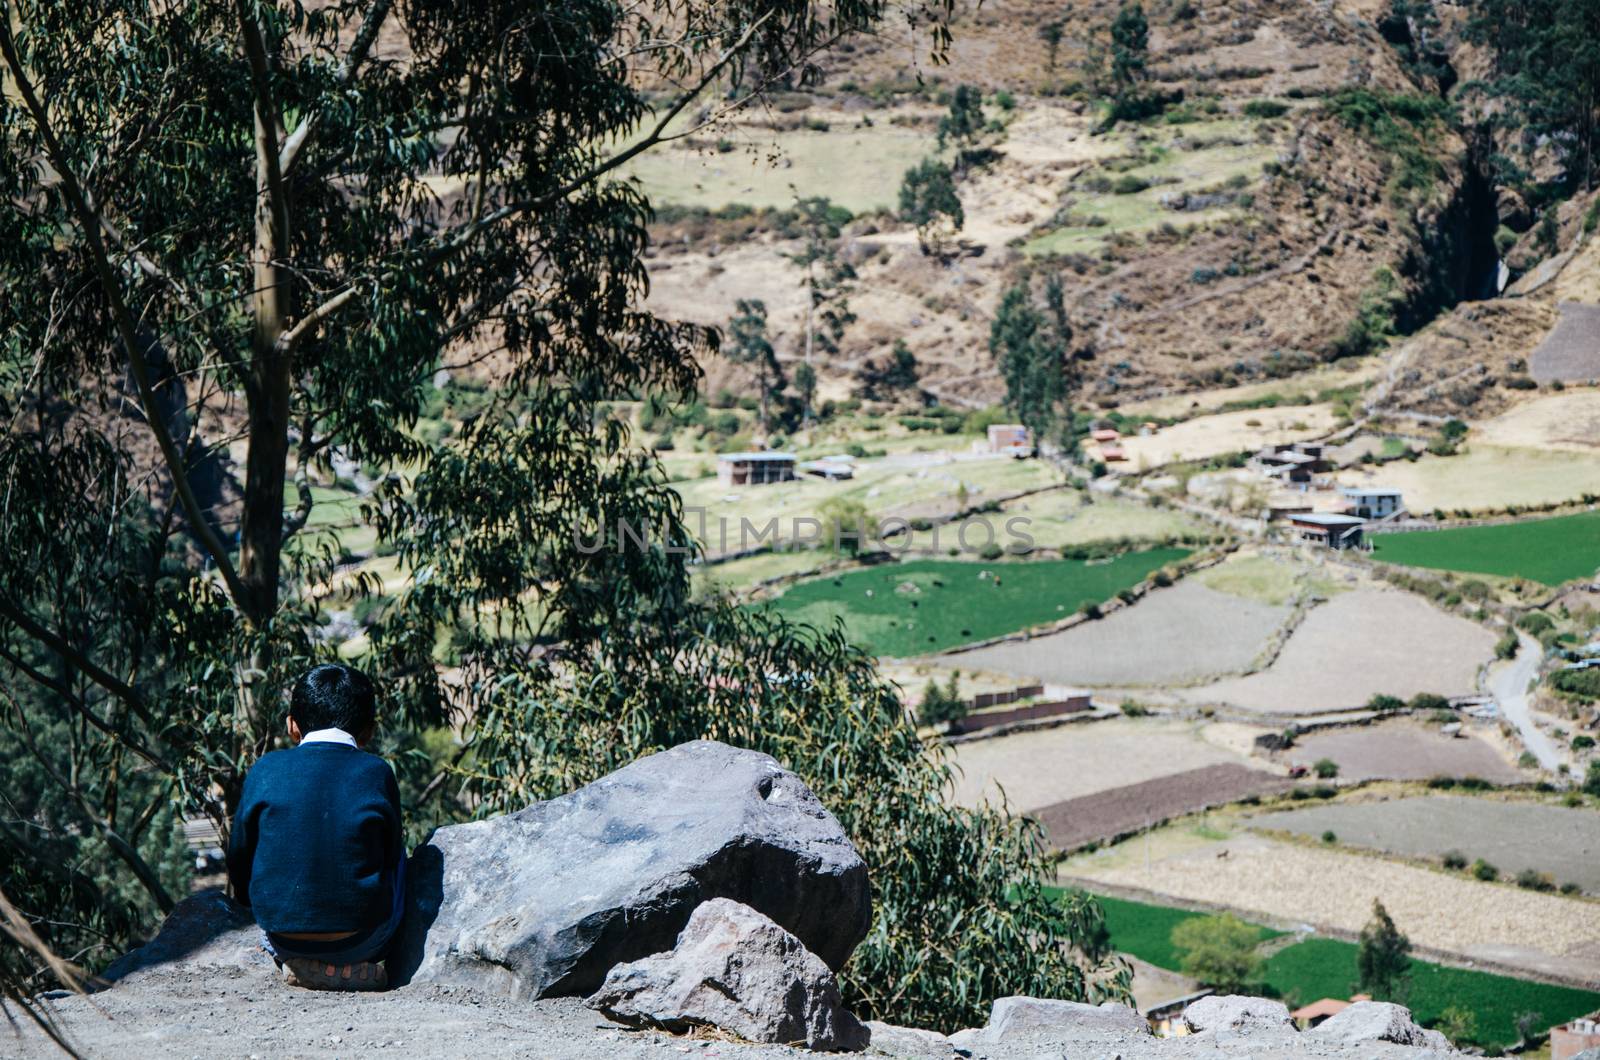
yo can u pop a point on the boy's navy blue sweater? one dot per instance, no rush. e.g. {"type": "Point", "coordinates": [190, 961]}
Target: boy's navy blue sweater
{"type": "Point", "coordinates": [317, 839]}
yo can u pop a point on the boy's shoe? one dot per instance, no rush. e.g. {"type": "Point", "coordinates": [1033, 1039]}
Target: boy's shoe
{"type": "Point", "coordinates": [313, 974]}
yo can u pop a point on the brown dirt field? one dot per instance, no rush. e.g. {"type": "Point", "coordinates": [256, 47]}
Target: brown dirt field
{"type": "Point", "coordinates": [1512, 836]}
{"type": "Point", "coordinates": [1048, 766]}
{"type": "Point", "coordinates": [1108, 814]}
{"type": "Point", "coordinates": [1572, 350]}
{"type": "Point", "coordinates": [1184, 633]}
{"type": "Point", "coordinates": [1355, 646]}
{"type": "Point", "coordinates": [1569, 422]}
{"type": "Point", "coordinates": [1334, 890]}
{"type": "Point", "coordinates": [1404, 750]}
{"type": "Point", "coordinates": [1227, 432]}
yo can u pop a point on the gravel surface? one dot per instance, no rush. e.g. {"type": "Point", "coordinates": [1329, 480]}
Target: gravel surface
{"type": "Point", "coordinates": [1047, 766]}
{"type": "Point", "coordinates": [1184, 633]}
{"type": "Point", "coordinates": [1510, 835]}
{"type": "Point", "coordinates": [1572, 349]}
{"type": "Point", "coordinates": [1355, 646]}
{"type": "Point", "coordinates": [1108, 814]}
{"type": "Point", "coordinates": [1333, 890]}
{"type": "Point", "coordinates": [1404, 750]}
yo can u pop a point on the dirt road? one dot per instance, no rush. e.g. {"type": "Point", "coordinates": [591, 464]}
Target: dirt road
{"type": "Point", "coordinates": [1509, 686]}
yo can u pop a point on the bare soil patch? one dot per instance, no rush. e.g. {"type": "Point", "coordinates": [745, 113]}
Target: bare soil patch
{"type": "Point", "coordinates": [1227, 432]}
{"type": "Point", "coordinates": [1333, 890]}
{"type": "Point", "coordinates": [1108, 814]}
{"type": "Point", "coordinates": [1048, 766]}
{"type": "Point", "coordinates": [1568, 422]}
{"type": "Point", "coordinates": [1184, 633]}
{"type": "Point", "coordinates": [1486, 478]}
{"type": "Point", "coordinates": [1357, 645]}
{"type": "Point", "coordinates": [1513, 836]}
{"type": "Point", "coordinates": [1404, 750]}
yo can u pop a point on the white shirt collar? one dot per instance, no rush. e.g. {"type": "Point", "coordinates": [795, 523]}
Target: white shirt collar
{"type": "Point", "coordinates": [329, 736]}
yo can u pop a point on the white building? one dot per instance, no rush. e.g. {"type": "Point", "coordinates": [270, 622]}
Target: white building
{"type": "Point", "coordinates": [1372, 503]}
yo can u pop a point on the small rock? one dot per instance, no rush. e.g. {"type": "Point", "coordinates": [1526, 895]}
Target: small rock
{"type": "Point", "coordinates": [206, 930]}
{"type": "Point", "coordinates": [907, 1041]}
{"type": "Point", "coordinates": [735, 969]}
{"type": "Point", "coordinates": [1235, 1013]}
{"type": "Point", "coordinates": [1378, 1021]}
{"type": "Point", "coordinates": [1018, 1018]}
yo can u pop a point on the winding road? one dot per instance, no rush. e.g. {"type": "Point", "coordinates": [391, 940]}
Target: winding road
{"type": "Point", "coordinates": [1509, 686]}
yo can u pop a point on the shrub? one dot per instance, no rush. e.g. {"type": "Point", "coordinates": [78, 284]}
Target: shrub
{"type": "Point", "coordinates": [1571, 888]}
{"type": "Point", "coordinates": [1454, 859]}
{"type": "Point", "coordinates": [1382, 702]}
{"type": "Point", "coordinates": [1582, 742]}
{"type": "Point", "coordinates": [1219, 951]}
{"type": "Point", "coordinates": [1530, 880]}
{"type": "Point", "coordinates": [1128, 184]}
{"type": "Point", "coordinates": [1536, 622]}
{"type": "Point", "coordinates": [1329, 836]}
{"type": "Point", "coordinates": [1591, 781]}
{"type": "Point", "coordinates": [1485, 871]}
{"type": "Point", "coordinates": [1134, 710]}
{"type": "Point", "coordinates": [1265, 108]}
{"type": "Point", "coordinates": [1506, 646]}
{"type": "Point", "coordinates": [1326, 768]}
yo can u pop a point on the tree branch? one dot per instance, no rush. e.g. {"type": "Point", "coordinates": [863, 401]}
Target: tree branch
{"type": "Point", "coordinates": [56, 643]}
{"type": "Point", "coordinates": [365, 36]}
{"type": "Point", "coordinates": [77, 704]}
{"type": "Point", "coordinates": [307, 324]}
{"type": "Point", "coordinates": [91, 228]}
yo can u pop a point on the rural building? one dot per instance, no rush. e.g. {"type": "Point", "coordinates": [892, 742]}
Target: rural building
{"type": "Point", "coordinates": [832, 468]}
{"type": "Point", "coordinates": [1112, 453]}
{"type": "Point", "coordinates": [1330, 531]}
{"type": "Point", "coordinates": [1105, 434]}
{"type": "Point", "coordinates": [1308, 1016]}
{"type": "Point", "coordinates": [1166, 1018]}
{"type": "Point", "coordinates": [754, 469]}
{"type": "Point", "coordinates": [1004, 436]}
{"type": "Point", "coordinates": [1570, 1039]}
{"type": "Point", "coordinates": [1372, 503]}
{"type": "Point", "coordinates": [1287, 510]}
{"type": "Point", "coordinates": [1294, 462]}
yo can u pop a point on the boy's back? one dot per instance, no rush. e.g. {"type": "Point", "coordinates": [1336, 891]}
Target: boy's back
{"type": "Point", "coordinates": [317, 849]}
{"type": "Point", "coordinates": [316, 839]}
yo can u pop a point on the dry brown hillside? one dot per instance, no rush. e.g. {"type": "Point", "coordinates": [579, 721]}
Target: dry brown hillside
{"type": "Point", "coordinates": [1233, 239]}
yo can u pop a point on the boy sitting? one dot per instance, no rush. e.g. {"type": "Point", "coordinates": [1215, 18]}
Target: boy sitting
{"type": "Point", "coordinates": [316, 850]}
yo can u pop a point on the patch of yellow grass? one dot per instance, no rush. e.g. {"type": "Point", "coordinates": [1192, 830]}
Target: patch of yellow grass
{"type": "Point", "coordinates": [1227, 432]}
{"type": "Point", "coordinates": [1486, 477]}
{"type": "Point", "coordinates": [1567, 422]}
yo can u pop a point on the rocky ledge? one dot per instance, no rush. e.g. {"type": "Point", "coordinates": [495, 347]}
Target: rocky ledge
{"type": "Point", "coordinates": [701, 899]}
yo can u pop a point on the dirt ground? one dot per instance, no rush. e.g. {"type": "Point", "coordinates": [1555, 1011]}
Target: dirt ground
{"type": "Point", "coordinates": [1226, 432]}
{"type": "Point", "coordinates": [1404, 750]}
{"type": "Point", "coordinates": [1442, 911]}
{"type": "Point", "coordinates": [1048, 766]}
{"type": "Point", "coordinates": [1572, 350]}
{"type": "Point", "coordinates": [1568, 422]}
{"type": "Point", "coordinates": [1513, 836]}
{"type": "Point", "coordinates": [1485, 478]}
{"type": "Point", "coordinates": [1359, 644]}
{"type": "Point", "coordinates": [1119, 811]}
{"type": "Point", "coordinates": [1185, 633]}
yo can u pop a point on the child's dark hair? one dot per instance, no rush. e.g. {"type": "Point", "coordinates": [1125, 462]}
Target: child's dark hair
{"type": "Point", "coordinates": [333, 696]}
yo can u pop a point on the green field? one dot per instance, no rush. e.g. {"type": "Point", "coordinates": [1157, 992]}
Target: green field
{"type": "Point", "coordinates": [925, 606]}
{"type": "Point", "coordinates": [1318, 968]}
{"type": "Point", "coordinates": [1145, 931]}
{"type": "Point", "coordinates": [1551, 551]}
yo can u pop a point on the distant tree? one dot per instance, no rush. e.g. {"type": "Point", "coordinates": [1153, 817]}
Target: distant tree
{"type": "Point", "coordinates": [928, 200]}
{"type": "Point", "coordinates": [805, 386]}
{"type": "Point", "coordinates": [846, 525]}
{"type": "Point", "coordinates": [1528, 1024]}
{"type": "Point", "coordinates": [1051, 33]}
{"type": "Point", "coordinates": [1220, 952]}
{"type": "Point", "coordinates": [1326, 768]}
{"type": "Point", "coordinates": [1459, 1024]}
{"type": "Point", "coordinates": [748, 344]}
{"type": "Point", "coordinates": [941, 704]}
{"type": "Point", "coordinates": [1030, 346]}
{"type": "Point", "coordinates": [1130, 49]}
{"type": "Point", "coordinates": [963, 123]}
{"type": "Point", "coordinates": [826, 278]}
{"type": "Point", "coordinates": [896, 374]}
{"type": "Point", "coordinates": [1591, 780]}
{"type": "Point", "coordinates": [1383, 962]}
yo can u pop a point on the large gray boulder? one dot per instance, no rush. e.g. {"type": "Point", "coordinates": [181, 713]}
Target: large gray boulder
{"type": "Point", "coordinates": [544, 902]}
{"type": "Point", "coordinates": [1378, 1021]}
{"type": "Point", "coordinates": [1237, 1014]}
{"type": "Point", "coordinates": [1044, 1020]}
{"type": "Point", "coordinates": [206, 930]}
{"type": "Point", "coordinates": [736, 970]}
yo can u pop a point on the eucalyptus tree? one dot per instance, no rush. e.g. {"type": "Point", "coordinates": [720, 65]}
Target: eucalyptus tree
{"type": "Point", "coordinates": [239, 242]}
